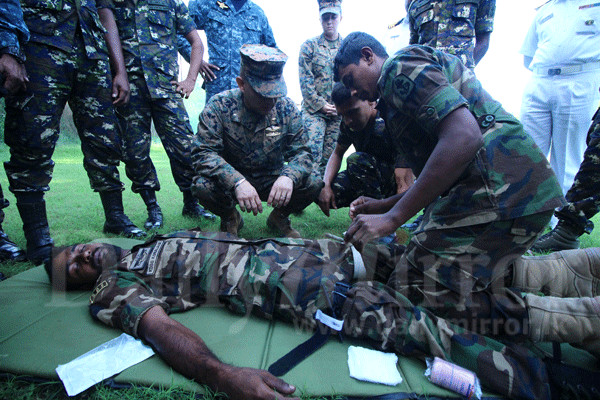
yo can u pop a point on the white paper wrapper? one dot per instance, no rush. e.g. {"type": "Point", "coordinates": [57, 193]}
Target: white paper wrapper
{"type": "Point", "coordinates": [104, 361]}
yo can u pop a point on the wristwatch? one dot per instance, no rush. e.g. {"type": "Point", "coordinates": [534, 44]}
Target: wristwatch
{"type": "Point", "coordinates": [13, 51]}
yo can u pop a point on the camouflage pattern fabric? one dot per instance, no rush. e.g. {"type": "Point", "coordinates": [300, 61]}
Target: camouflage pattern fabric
{"type": "Point", "coordinates": [148, 32]}
{"type": "Point", "coordinates": [507, 179]}
{"type": "Point", "coordinates": [67, 61]}
{"type": "Point", "coordinates": [583, 198]}
{"type": "Point", "coordinates": [451, 25]}
{"type": "Point", "coordinates": [13, 30]}
{"type": "Point", "coordinates": [315, 72]}
{"type": "Point", "coordinates": [234, 143]}
{"type": "Point", "coordinates": [172, 125]}
{"type": "Point", "coordinates": [262, 67]}
{"type": "Point", "coordinates": [227, 29]}
{"type": "Point", "coordinates": [290, 279]}
{"type": "Point", "coordinates": [462, 251]}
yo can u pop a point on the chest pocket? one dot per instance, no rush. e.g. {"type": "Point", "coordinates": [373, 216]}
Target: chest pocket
{"type": "Point", "coordinates": [125, 22]}
{"type": "Point", "coordinates": [160, 20]}
{"type": "Point", "coordinates": [216, 20]}
{"type": "Point", "coordinates": [35, 14]}
{"type": "Point", "coordinates": [421, 11]}
{"type": "Point", "coordinates": [252, 24]}
{"type": "Point", "coordinates": [464, 15]}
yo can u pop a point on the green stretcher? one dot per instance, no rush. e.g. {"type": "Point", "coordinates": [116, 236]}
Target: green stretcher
{"type": "Point", "coordinates": [40, 329]}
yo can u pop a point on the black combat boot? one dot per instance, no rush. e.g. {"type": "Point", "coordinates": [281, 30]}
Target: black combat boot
{"type": "Point", "coordinates": [564, 236]}
{"type": "Point", "coordinates": [155, 216]}
{"type": "Point", "coordinates": [116, 220]}
{"type": "Point", "coordinates": [9, 249]}
{"type": "Point", "coordinates": [32, 209]}
{"type": "Point", "coordinates": [192, 209]}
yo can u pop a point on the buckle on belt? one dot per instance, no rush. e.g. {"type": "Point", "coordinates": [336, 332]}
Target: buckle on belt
{"type": "Point", "coordinates": [554, 71]}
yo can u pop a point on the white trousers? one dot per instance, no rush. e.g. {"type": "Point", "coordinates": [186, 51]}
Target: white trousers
{"type": "Point", "coordinates": [557, 112]}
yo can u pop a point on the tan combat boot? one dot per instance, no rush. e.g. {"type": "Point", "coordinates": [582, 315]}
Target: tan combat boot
{"type": "Point", "coordinates": [567, 273]}
{"type": "Point", "coordinates": [232, 222]}
{"type": "Point", "coordinates": [573, 320]}
{"type": "Point", "coordinates": [279, 221]}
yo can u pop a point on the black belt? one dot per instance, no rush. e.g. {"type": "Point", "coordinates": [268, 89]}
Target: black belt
{"type": "Point", "coordinates": [305, 349]}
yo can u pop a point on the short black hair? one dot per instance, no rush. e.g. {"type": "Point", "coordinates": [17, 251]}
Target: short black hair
{"type": "Point", "coordinates": [350, 51]}
{"type": "Point", "coordinates": [340, 94]}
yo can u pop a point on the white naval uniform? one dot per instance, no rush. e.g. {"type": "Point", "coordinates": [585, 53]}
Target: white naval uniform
{"type": "Point", "coordinates": [562, 93]}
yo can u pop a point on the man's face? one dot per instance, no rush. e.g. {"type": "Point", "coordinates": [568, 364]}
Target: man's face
{"type": "Point", "coordinates": [356, 113]}
{"type": "Point", "coordinates": [255, 102]}
{"type": "Point", "coordinates": [361, 79]}
{"type": "Point", "coordinates": [330, 23]}
{"type": "Point", "coordinates": [83, 263]}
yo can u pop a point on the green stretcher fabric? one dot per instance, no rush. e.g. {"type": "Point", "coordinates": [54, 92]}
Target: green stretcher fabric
{"type": "Point", "coordinates": [40, 330]}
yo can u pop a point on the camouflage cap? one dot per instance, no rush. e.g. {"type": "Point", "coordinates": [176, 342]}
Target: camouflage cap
{"type": "Point", "coordinates": [263, 69]}
{"type": "Point", "coordinates": [330, 6]}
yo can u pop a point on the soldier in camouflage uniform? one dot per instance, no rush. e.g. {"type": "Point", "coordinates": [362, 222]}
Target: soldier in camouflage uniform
{"type": "Point", "coordinates": [458, 27]}
{"type": "Point", "coordinates": [290, 279]}
{"type": "Point", "coordinates": [491, 192]}
{"type": "Point", "coordinates": [252, 147]}
{"type": "Point", "coordinates": [321, 121]}
{"type": "Point", "coordinates": [583, 199]}
{"type": "Point", "coordinates": [67, 61]}
{"type": "Point", "coordinates": [13, 77]}
{"type": "Point", "coordinates": [228, 25]}
{"type": "Point", "coordinates": [148, 32]}
{"type": "Point", "coordinates": [374, 170]}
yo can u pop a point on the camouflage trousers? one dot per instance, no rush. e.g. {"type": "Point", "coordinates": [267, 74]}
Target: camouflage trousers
{"type": "Point", "coordinates": [172, 125]}
{"type": "Point", "coordinates": [32, 123]}
{"type": "Point", "coordinates": [365, 175]}
{"type": "Point", "coordinates": [297, 285]}
{"type": "Point", "coordinates": [322, 133]}
{"type": "Point", "coordinates": [221, 201]}
{"type": "Point", "coordinates": [584, 196]}
{"type": "Point", "coordinates": [465, 274]}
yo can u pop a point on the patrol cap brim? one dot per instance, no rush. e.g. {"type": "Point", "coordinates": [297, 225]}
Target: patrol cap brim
{"type": "Point", "coordinates": [331, 10]}
{"type": "Point", "coordinates": [271, 88]}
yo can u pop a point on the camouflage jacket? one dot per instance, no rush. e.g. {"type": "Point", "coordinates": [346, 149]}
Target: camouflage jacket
{"type": "Point", "coordinates": [373, 140]}
{"type": "Point", "coordinates": [13, 30]}
{"type": "Point", "coordinates": [55, 23]}
{"type": "Point", "coordinates": [234, 142]}
{"type": "Point", "coordinates": [451, 25]}
{"type": "Point", "coordinates": [316, 72]}
{"type": "Point", "coordinates": [186, 269]}
{"type": "Point", "coordinates": [226, 31]}
{"type": "Point", "coordinates": [148, 31]}
{"type": "Point", "coordinates": [508, 178]}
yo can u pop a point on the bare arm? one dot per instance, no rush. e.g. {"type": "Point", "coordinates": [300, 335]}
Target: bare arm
{"type": "Point", "coordinates": [326, 197]}
{"type": "Point", "coordinates": [187, 353]}
{"type": "Point", "coordinates": [186, 87]}
{"type": "Point", "coordinates": [482, 44]}
{"type": "Point", "coordinates": [120, 89]}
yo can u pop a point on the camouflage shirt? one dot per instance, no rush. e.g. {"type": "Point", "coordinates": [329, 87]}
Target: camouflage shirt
{"type": "Point", "coordinates": [55, 23]}
{"type": "Point", "coordinates": [234, 142]}
{"type": "Point", "coordinates": [186, 269]}
{"type": "Point", "coordinates": [508, 178]}
{"type": "Point", "coordinates": [316, 71]}
{"type": "Point", "coordinates": [13, 30]}
{"type": "Point", "coordinates": [451, 25]}
{"type": "Point", "coordinates": [373, 140]}
{"type": "Point", "coordinates": [227, 29]}
{"type": "Point", "coordinates": [148, 31]}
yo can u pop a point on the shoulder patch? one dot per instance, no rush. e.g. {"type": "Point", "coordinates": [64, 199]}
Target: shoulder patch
{"type": "Point", "coordinates": [403, 86]}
